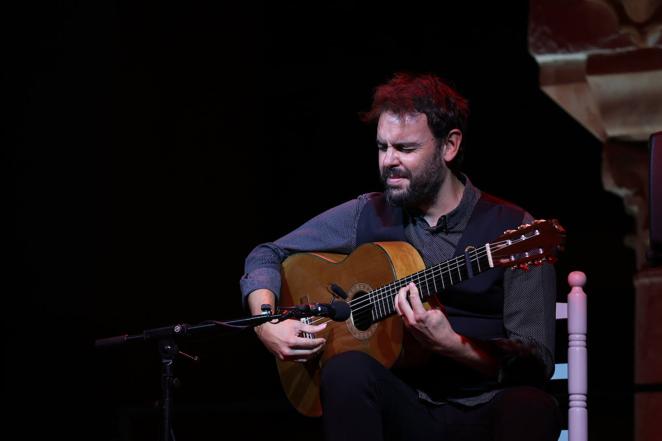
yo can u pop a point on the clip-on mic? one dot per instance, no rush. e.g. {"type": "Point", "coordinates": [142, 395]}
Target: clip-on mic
{"type": "Point", "coordinates": [336, 311]}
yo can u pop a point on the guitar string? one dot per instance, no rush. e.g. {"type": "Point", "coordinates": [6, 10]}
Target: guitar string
{"type": "Point", "coordinates": [389, 291]}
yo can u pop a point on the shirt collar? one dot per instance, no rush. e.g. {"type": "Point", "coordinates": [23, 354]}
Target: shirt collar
{"type": "Point", "coordinates": [459, 216]}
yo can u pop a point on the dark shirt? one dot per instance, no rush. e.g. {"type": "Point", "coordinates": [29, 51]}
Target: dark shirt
{"type": "Point", "coordinates": [529, 296]}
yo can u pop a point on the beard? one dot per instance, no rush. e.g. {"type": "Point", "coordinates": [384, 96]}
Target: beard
{"type": "Point", "coordinates": [423, 187]}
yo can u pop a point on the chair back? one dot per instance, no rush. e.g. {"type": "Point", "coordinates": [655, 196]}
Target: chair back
{"type": "Point", "coordinates": [571, 372]}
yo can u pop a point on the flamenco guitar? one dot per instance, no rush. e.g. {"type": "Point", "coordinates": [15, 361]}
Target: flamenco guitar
{"type": "Point", "coordinates": [371, 277]}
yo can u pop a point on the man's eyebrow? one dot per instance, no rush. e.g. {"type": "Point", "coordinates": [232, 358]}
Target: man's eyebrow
{"type": "Point", "coordinates": [401, 144]}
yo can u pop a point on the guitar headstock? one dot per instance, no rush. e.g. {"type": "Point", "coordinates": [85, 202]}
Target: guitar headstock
{"type": "Point", "coordinates": [529, 244]}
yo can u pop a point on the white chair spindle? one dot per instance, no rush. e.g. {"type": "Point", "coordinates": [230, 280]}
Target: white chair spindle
{"type": "Point", "coordinates": [577, 358]}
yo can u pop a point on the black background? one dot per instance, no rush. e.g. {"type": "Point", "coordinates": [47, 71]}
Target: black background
{"type": "Point", "coordinates": [155, 143]}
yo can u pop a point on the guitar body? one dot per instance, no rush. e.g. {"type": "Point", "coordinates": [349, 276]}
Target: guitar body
{"type": "Point", "coordinates": [307, 278]}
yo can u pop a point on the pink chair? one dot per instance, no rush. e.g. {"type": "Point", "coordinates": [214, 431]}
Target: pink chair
{"type": "Point", "coordinates": [575, 371]}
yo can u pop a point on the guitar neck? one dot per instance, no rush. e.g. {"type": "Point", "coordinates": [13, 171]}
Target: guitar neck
{"type": "Point", "coordinates": [431, 281]}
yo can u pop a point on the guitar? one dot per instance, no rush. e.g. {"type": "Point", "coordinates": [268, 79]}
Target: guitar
{"type": "Point", "coordinates": [370, 277]}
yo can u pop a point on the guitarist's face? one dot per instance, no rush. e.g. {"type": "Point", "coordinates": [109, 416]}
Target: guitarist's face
{"type": "Point", "coordinates": [410, 162]}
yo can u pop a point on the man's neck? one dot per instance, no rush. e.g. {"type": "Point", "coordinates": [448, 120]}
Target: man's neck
{"type": "Point", "coordinates": [448, 198]}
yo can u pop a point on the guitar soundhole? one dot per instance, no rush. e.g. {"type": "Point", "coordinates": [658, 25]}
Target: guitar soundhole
{"type": "Point", "coordinates": [361, 312]}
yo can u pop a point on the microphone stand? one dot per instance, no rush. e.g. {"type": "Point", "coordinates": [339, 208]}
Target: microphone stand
{"type": "Point", "coordinates": [168, 349]}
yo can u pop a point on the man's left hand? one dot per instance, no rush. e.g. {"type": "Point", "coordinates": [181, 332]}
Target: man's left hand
{"type": "Point", "coordinates": [428, 326]}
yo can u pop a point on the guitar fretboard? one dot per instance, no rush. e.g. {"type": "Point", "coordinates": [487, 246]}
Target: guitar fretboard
{"type": "Point", "coordinates": [428, 281]}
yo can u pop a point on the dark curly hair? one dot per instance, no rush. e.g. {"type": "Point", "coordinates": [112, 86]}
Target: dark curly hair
{"type": "Point", "coordinates": [407, 93]}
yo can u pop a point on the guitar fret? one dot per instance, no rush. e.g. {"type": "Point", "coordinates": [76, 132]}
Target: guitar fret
{"type": "Point", "coordinates": [477, 268]}
{"type": "Point", "coordinates": [449, 273]}
{"type": "Point", "coordinates": [472, 262]}
{"type": "Point", "coordinates": [379, 306]}
{"type": "Point", "coordinates": [392, 291]}
{"type": "Point", "coordinates": [427, 286]}
{"type": "Point", "coordinates": [371, 302]}
{"type": "Point", "coordinates": [384, 299]}
{"type": "Point", "coordinates": [376, 308]}
{"type": "Point", "coordinates": [441, 276]}
{"type": "Point", "coordinates": [387, 304]}
{"type": "Point", "coordinates": [457, 267]}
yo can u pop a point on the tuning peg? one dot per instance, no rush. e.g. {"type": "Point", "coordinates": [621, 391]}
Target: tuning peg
{"type": "Point", "coordinates": [559, 227]}
{"type": "Point", "coordinates": [539, 221]}
{"type": "Point", "coordinates": [522, 266]}
{"type": "Point", "coordinates": [523, 226]}
{"type": "Point", "coordinates": [509, 231]}
{"type": "Point", "coordinates": [538, 262]}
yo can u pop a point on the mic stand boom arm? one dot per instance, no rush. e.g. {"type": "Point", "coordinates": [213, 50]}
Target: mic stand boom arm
{"type": "Point", "coordinates": [168, 350]}
{"type": "Point", "coordinates": [184, 329]}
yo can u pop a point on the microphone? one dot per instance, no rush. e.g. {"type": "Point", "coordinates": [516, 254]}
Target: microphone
{"type": "Point", "coordinates": [337, 311]}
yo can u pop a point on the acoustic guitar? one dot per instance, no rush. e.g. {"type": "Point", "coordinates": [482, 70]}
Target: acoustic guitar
{"type": "Point", "coordinates": [369, 279]}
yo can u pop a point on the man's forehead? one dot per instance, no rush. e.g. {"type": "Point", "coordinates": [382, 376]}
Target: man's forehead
{"type": "Point", "coordinates": [403, 118]}
{"type": "Point", "coordinates": [402, 122]}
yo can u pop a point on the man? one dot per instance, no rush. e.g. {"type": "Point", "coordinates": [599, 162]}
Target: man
{"type": "Point", "coordinates": [491, 343]}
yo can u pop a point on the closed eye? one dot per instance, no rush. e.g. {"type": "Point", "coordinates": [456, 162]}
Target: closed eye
{"type": "Point", "coordinates": [406, 147]}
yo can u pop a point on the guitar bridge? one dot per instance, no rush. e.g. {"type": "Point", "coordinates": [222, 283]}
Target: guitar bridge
{"type": "Point", "coordinates": [304, 300]}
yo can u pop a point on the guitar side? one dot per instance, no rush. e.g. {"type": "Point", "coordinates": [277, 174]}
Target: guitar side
{"type": "Point", "coordinates": [306, 278]}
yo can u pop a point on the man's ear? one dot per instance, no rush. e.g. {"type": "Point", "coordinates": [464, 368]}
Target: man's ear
{"type": "Point", "coordinates": [452, 144]}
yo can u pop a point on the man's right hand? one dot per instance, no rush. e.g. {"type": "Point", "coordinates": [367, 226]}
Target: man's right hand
{"type": "Point", "coordinates": [285, 340]}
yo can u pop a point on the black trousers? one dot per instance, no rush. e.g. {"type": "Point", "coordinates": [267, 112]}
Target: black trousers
{"type": "Point", "coordinates": [364, 401]}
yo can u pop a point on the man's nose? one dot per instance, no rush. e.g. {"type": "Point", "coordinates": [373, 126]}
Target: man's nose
{"type": "Point", "coordinates": [390, 158]}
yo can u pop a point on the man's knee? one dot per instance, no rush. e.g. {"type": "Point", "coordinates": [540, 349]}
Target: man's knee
{"type": "Point", "coordinates": [525, 397]}
{"type": "Point", "coordinates": [530, 410]}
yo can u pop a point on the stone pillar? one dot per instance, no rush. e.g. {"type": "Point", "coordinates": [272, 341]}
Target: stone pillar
{"type": "Point", "coordinates": [601, 61]}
